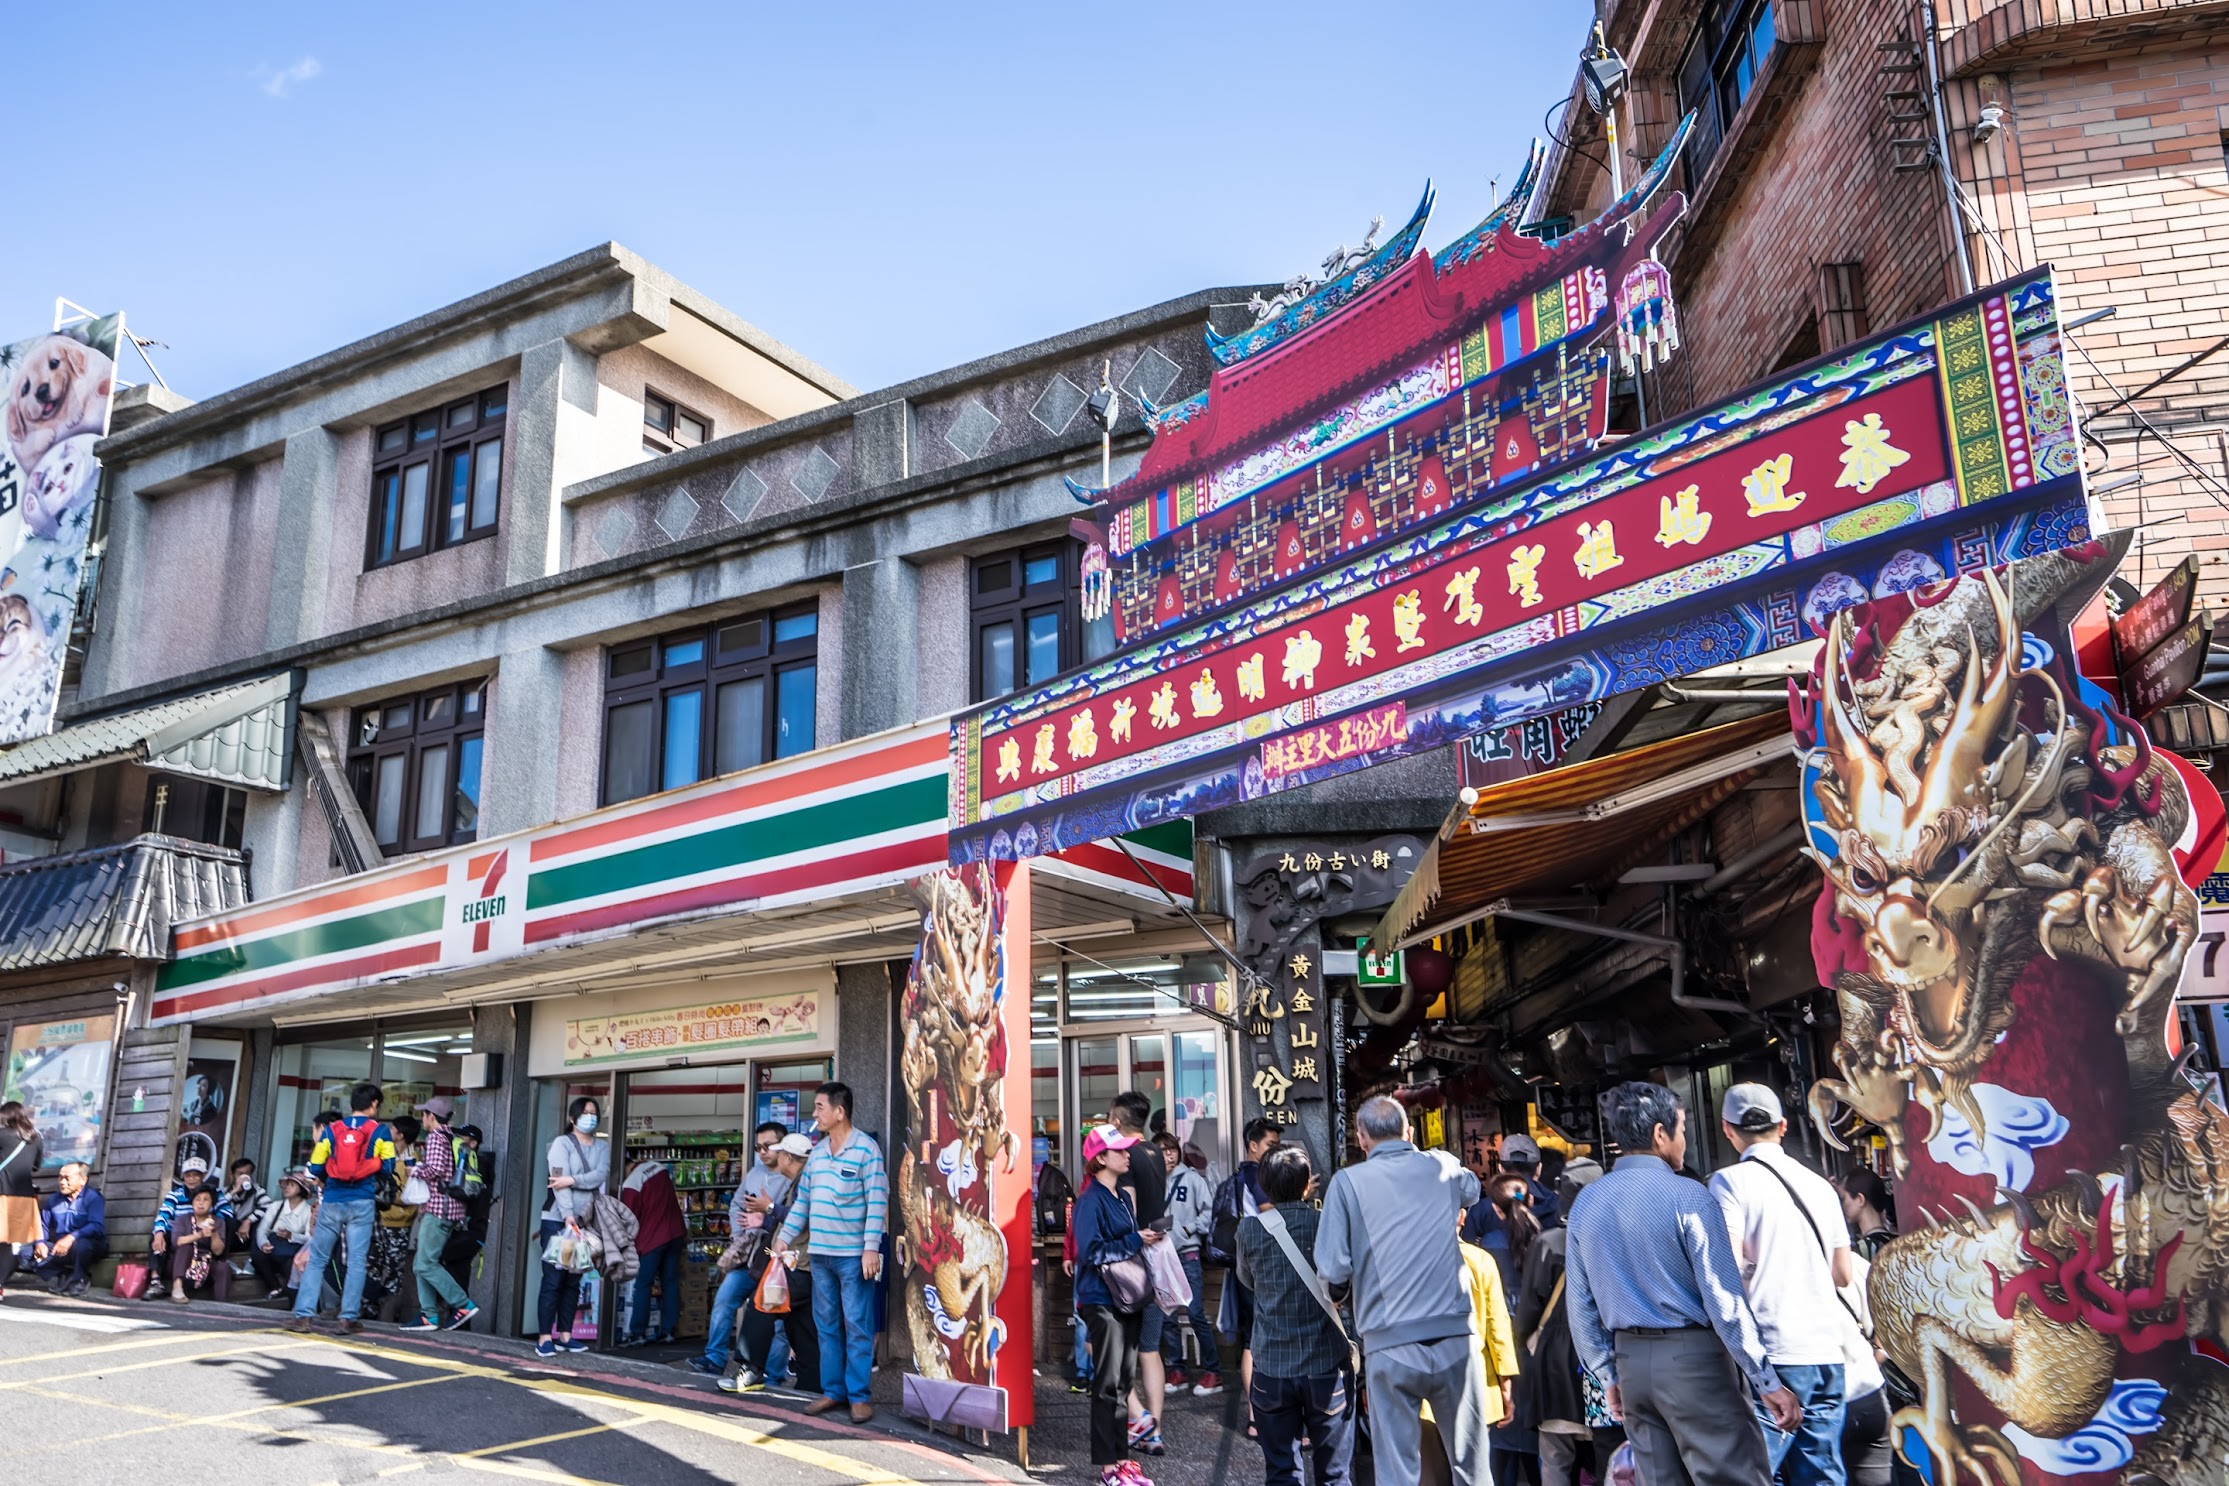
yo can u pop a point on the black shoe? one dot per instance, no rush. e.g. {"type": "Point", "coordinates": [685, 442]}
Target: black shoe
{"type": "Point", "coordinates": [708, 1368]}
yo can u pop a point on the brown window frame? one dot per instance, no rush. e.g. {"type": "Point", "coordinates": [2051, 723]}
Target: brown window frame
{"type": "Point", "coordinates": [1709, 80]}
{"type": "Point", "coordinates": [374, 736]}
{"type": "Point", "coordinates": [433, 438]}
{"type": "Point", "coordinates": [727, 654]}
{"type": "Point", "coordinates": [657, 440]}
{"type": "Point", "coordinates": [1015, 601]}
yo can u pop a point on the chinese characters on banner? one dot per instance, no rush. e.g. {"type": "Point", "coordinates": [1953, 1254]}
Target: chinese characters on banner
{"type": "Point", "coordinates": [1523, 748]}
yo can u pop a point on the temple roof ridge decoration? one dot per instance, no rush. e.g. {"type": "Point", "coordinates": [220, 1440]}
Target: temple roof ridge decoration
{"type": "Point", "coordinates": [1408, 314]}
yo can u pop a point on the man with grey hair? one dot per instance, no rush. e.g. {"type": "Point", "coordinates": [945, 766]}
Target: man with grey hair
{"type": "Point", "coordinates": [1657, 1308]}
{"type": "Point", "coordinates": [73, 1232]}
{"type": "Point", "coordinates": [1388, 1240]}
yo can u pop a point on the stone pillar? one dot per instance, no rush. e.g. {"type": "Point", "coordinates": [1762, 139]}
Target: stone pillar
{"type": "Point", "coordinates": [555, 401]}
{"type": "Point", "coordinates": [518, 770]}
{"type": "Point", "coordinates": [116, 604]}
{"type": "Point", "coordinates": [309, 489]}
{"type": "Point", "coordinates": [881, 612]}
{"type": "Point", "coordinates": [272, 833]}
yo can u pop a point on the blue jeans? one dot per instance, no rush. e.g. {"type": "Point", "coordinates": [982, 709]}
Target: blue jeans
{"type": "Point", "coordinates": [344, 1223]}
{"type": "Point", "coordinates": [727, 1303]}
{"type": "Point", "coordinates": [1319, 1410]}
{"type": "Point", "coordinates": [844, 1315]}
{"type": "Point", "coordinates": [1082, 1358]}
{"type": "Point", "coordinates": [1812, 1456]}
{"type": "Point", "coordinates": [665, 1261]}
{"type": "Point", "coordinates": [1202, 1328]}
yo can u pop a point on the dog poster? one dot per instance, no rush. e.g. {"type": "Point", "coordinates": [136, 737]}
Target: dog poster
{"type": "Point", "coordinates": [59, 388]}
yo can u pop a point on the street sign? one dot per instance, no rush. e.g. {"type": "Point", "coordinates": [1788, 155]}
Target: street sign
{"type": "Point", "coordinates": [2169, 669]}
{"type": "Point", "coordinates": [2157, 614]}
{"type": "Point", "coordinates": [1379, 970]}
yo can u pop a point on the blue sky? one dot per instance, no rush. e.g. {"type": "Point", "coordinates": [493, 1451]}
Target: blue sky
{"type": "Point", "coordinates": [889, 189]}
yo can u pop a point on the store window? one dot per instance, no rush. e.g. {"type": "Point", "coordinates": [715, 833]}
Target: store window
{"type": "Point", "coordinates": [415, 764]}
{"type": "Point", "coordinates": [196, 810]}
{"type": "Point", "coordinates": [708, 701]}
{"type": "Point", "coordinates": [410, 1063]}
{"type": "Point", "coordinates": [1024, 617]}
{"type": "Point", "coordinates": [667, 426]}
{"type": "Point", "coordinates": [437, 478]}
{"type": "Point", "coordinates": [1722, 65]}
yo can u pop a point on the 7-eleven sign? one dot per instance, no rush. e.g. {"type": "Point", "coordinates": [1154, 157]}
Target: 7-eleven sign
{"type": "Point", "coordinates": [479, 907]}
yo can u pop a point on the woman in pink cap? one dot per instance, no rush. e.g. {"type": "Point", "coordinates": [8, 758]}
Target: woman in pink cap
{"type": "Point", "coordinates": [1107, 1231]}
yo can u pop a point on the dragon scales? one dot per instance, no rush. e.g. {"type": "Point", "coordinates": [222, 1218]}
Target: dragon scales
{"type": "Point", "coordinates": [2003, 925]}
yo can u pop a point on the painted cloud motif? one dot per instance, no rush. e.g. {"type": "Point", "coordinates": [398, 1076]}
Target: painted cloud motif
{"type": "Point", "coordinates": [2018, 1127]}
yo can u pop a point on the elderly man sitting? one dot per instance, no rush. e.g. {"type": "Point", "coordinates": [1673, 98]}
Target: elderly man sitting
{"type": "Point", "coordinates": [73, 1232]}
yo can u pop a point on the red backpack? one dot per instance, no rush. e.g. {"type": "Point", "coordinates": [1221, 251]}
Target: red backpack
{"type": "Point", "coordinates": [353, 1158]}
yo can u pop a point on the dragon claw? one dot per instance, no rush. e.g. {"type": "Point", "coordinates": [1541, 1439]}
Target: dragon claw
{"type": "Point", "coordinates": [1955, 1454]}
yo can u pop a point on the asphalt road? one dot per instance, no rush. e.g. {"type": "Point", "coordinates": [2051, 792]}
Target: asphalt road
{"type": "Point", "coordinates": [103, 1391]}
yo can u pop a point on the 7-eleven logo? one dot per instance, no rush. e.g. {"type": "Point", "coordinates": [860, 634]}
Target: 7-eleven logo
{"type": "Point", "coordinates": [481, 912]}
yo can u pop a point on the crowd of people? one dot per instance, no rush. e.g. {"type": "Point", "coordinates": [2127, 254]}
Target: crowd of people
{"type": "Point", "coordinates": [1543, 1322]}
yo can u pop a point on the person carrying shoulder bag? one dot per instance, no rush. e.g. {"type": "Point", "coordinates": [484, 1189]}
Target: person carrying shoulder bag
{"type": "Point", "coordinates": [1304, 1361]}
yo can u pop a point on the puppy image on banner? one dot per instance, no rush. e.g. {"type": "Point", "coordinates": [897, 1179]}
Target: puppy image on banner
{"type": "Point", "coordinates": [58, 387]}
{"type": "Point", "coordinates": [55, 393]}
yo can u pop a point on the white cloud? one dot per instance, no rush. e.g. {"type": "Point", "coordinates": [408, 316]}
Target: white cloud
{"type": "Point", "coordinates": [280, 81]}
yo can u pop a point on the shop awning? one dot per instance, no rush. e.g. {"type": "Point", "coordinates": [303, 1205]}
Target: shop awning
{"type": "Point", "coordinates": [116, 900]}
{"type": "Point", "coordinates": [1576, 825]}
{"type": "Point", "coordinates": [235, 735]}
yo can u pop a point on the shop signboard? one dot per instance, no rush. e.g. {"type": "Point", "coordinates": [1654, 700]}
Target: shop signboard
{"type": "Point", "coordinates": [60, 1072]}
{"type": "Point", "coordinates": [1934, 448]}
{"type": "Point", "coordinates": [839, 821]}
{"type": "Point", "coordinates": [58, 388]}
{"type": "Point", "coordinates": [727, 1028]}
{"type": "Point", "coordinates": [2157, 614]}
{"type": "Point", "coordinates": [2012, 1045]}
{"type": "Point", "coordinates": [961, 1184]}
{"type": "Point", "coordinates": [1522, 749]}
{"type": "Point", "coordinates": [2169, 669]}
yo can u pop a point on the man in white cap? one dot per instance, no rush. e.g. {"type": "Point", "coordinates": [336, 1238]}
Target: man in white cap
{"type": "Point", "coordinates": [193, 1175]}
{"type": "Point", "coordinates": [1792, 1246]}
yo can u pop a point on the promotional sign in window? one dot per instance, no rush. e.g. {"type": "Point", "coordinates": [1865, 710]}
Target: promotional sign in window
{"type": "Point", "coordinates": [60, 1072]}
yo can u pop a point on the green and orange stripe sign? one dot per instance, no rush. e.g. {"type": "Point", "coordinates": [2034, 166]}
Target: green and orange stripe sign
{"type": "Point", "coordinates": [841, 820]}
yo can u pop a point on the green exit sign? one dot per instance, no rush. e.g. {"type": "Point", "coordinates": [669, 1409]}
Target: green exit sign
{"type": "Point", "coordinates": [1377, 970]}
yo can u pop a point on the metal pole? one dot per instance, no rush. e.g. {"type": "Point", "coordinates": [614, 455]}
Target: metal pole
{"type": "Point", "coordinates": [1942, 147]}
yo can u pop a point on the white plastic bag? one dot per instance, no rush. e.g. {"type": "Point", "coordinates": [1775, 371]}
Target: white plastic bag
{"type": "Point", "coordinates": [572, 1249]}
{"type": "Point", "coordinates": [1171, 1290]}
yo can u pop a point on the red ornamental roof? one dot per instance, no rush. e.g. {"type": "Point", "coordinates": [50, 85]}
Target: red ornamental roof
{"type": "Point", "coordinates": [1408, 316]}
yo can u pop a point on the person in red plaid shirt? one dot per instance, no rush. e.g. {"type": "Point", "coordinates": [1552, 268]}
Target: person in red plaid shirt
{"type": "Point", "coordinates": [441, 1216]}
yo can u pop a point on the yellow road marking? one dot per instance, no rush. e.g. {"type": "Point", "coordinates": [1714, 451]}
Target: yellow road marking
{"type": "Point", "coordinates": [545, 1439]}
{"type": "Point", "coordinates": [171, 1339]}
{"type": "Point", "coordinates": [262, 1348]}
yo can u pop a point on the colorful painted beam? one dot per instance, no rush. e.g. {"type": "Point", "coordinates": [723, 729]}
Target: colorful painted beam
{"type": "Point", "coordinates": [839, 821]}
{"type": "Point", "coordinates": [1924, 451]}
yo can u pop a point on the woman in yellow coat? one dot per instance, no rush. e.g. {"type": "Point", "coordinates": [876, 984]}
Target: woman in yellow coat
{"type": "Point", "coordinates": [1497, 1344]}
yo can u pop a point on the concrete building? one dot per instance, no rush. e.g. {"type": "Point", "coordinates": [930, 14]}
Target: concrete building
{"type": "Point", "coordinates": [435, 660]}
{"type": "Point", "coordinates": [2087, 134]}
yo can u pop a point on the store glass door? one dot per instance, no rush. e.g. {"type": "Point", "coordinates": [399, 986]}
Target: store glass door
{"type": "Point", "coordinates": [1179, 1069]}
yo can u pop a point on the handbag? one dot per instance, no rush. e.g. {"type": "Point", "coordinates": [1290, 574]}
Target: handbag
{"type": "Point", "coordinates": [1129, 1283]}
{"type": "Point", "coordinates": [773, 1290]}
{"type": "Point", "coordinates": [131, 1279]}
{"type": "Point", "coordinates": [1274, 1221]}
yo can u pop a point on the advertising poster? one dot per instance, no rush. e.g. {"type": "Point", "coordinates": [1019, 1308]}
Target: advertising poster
{"type": "Point", "coordinates": [205, 1103]}
{"type": "Point", "coordinates": [60, 1071]}
{"type": "Point", "coordinates": [2005, 918]}
{"type": "Point", "coordinates": [59, 388]}
{"type": "Point", "coordinates": [963, 1182]}
{"type": "Point", "coordinates": [718, 1027]}
{"type": "Point", "coordinates": [781, 1107]}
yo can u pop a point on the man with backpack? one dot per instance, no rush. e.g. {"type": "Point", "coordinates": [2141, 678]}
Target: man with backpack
{"type": "Point", "coordinates": [348, 1162]}
{"type": "Point", "coordinates": [441, 1216]}
{"type": "Point", "coordinates": [474, 1186]}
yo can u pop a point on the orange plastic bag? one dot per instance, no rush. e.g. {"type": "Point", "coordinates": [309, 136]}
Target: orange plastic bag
{"type": "Point", "coordinates": [773, 1289]}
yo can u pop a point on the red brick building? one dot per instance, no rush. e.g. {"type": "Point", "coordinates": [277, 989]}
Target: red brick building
{"type": "Point", "coordinates": [2087, 134]}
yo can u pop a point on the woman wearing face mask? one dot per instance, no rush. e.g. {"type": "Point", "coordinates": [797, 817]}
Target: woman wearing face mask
{"type": "Point", "coordinates": [578, 1169]}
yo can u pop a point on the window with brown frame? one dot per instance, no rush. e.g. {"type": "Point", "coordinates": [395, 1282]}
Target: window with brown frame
{"type": "Point", "coordinates": [710, 700]}
{"type": "Point", "coordinates": [437, 478]}
{"type": "Point", "coordinates": [415, 764]}
{"type": "Point", "coordinates": [1724, 58]}
{"type": "Point", "coordinates": [1025, 617]}
{"type": "Point", "coordinates": [667, 426]}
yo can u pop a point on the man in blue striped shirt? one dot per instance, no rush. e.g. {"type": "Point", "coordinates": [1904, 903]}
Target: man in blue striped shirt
{"type": "Point", "coordinates": [843, 1200]}
{"type": "Point", "coordinates": [1657, 1307]}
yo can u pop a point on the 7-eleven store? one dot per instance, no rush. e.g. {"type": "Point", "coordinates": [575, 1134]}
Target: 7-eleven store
{"type": "Point", "coordinates": [699, 961]}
